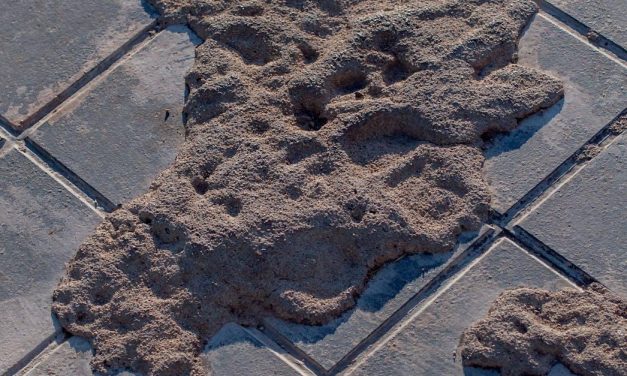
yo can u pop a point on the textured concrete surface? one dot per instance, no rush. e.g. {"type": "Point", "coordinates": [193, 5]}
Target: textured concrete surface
{"type": "Point", "coordinates": [389, 289]}
{"type": "Point", "coordinates": [607, 17]}
{"type": "Point", "coordinates": [236, 351]}
{"type": "Point", "coordinates": [426, 343]}
{"type": "Point", "coordinates": [584, 220]}
{"type": "Point", "coordinates": [126, 128]}
{"type": "Point", "coordinates": [47, 45]}
{"type": "Point", "coordinates": [593, 97]}
{"type": "Point", "coordinates": [69, 358]}
{"type": "Point", "coordinates": [41, 224]}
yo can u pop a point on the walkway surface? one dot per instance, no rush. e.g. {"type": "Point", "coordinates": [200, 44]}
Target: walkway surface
{"type": "Point", "coordinates": [91, 93]}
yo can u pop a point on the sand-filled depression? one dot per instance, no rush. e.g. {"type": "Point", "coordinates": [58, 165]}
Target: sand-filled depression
{"type": "Point", "coordinates": [324, 138]}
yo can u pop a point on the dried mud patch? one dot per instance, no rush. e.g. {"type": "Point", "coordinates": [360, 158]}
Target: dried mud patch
{"type": "Point", "coordinates": [324, 138]}
{"type": "Point", "coordinates": [528, 330]}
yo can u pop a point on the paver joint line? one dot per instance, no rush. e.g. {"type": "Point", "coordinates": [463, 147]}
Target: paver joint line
{"type": "Point", "coordinates": [561, 173]}
{"type": "Point", "coordinates": [86, 78]}
{"type": "Point", "coordinates": [460, 263]}
{"type": "Point", "coordinates": [99, 200]}
{"type": "Point", "coordinates": [588, 34]}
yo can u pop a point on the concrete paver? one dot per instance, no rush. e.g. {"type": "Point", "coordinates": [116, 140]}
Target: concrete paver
{"type": "Point", "coordinates": [595, 92]}
{"type": "Point", "coordinates": [41, 224]}
{"type": "Point", "coordinates": [388, 290]}
{"type": "Point", "coordinates": [607, 17]}
{"type": "Point", "coordinates": [70, 358]}
{"type": "Point", "coordinates": [125, 129]}
{"type": "Point", "coordinates": [47, 45]}
{"type": "Point", "coordinates": [235, 351]}
{"type": "Point", "coordinates": [584, 220]}
{"type": "Point", "coordinates": [426, 343]}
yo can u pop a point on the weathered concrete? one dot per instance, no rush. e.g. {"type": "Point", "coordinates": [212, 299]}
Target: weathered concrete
{"type": "Point", "coordinates": [235, 351]}
{"type": "Point", "coordinates": [41, 224]}
{"type": "Point", "coordinates": [69, 358]}
{"type": "Point", "coordinates": [594, 94]}
{"type": "Point", "coordinates": [426, 343]}
{"type": "Point", "coordinates": [390, 288]}
{"type": "Point", "coordinates": [126, 129]}
{"type": "Point", "coordinates": [584, 220]}
{"type": "Point", "coordinates": [607, 17]}
{"type": "Point", "coordinates": [46, 46]}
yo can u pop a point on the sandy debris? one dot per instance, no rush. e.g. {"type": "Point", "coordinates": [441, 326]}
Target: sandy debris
{"type": "Point", "coordinates": [528, 330]}
{"type": "Point", "coordinates": [324, 138]}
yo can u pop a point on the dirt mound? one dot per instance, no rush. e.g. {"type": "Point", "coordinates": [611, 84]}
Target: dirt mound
{"type": "Point", "coordinates": [324, 138]}
{"type": "Point", "coordinates": [528, 330]}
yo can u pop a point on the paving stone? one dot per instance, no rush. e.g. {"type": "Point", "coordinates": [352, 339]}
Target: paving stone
{"type": "Point", "coordinates": [426, 343]}
{"type": "Point", "coordinates": [41, 224]}
{"type": "Point", "coordinates": [595, 92]}
{"type": "Point", "coordinates": [389, 289]}
{"type": "Point", "coordinates": [126, 129]}
{"type": "Point", "coordinates": [70, 358]}
{"type": "Point", "coordinates": [584, 220]}
{"type": "Point", "coordinates": [47, 45]}
{"type": "Point", "coordinates": [235, 351]}
{"type": "Point", "coordinates": [608, 17]}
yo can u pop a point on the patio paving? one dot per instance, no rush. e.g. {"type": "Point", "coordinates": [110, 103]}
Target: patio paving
{"type": "Point", "coordinates": [47, 46]}
{"type": "Point", "coordinates": [92, 111]}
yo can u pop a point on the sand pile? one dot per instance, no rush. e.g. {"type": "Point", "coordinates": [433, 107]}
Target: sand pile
{"type": "Point", "coordinates": [528, 330]}
{"type": "Point", "coordinates": [324, 138]}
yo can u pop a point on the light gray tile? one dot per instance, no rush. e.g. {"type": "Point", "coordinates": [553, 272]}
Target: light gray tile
{"type": "Point", "coordinates": [607, 17]}
{"type": "Point", "coordinates": [426, 343]}
{"type": "Point", "coordinates": [389, 289]}
{"type": "Point", "coordinates": [595, 92]}
{"type": "Point", "coordinates": [235, 351]}
{"type": "Point", "coordinates": [117, 136]}
{"type": "Point", "coordinates": [70, 358]}
{"type": "Point", "coordinates": [41, 224]}
{"type": "Point", "coordinates": [585, 221]}
{"type": "Point", "coordinates": [47, 45]}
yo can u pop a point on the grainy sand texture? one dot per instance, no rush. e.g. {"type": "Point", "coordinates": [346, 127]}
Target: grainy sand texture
{"type": "Point", "coordinates": [528, 330]}
{"type": "Point", "coordinates": [324, 138]}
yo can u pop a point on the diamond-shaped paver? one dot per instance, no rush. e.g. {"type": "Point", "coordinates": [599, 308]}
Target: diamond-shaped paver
{"type": "Point", "coordinates": [595, 92]}
{"type": "Point", "coordinates": [48, 45]}
{"type": "Point", "coordinates": [41, 224]}
{"type": "Point", "coordinates": [125, 129]}
{"type": "Point", "coordinates": [389, 289]}
{"type": "Point", "coordinates": [584, 220]}
{"type": "Point", "coordinates": [607, 17]}
{"type": "Point", "coordinates": [426, 343]}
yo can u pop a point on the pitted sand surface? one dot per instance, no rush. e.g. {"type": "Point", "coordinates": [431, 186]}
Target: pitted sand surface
{"type": "Point", "coordinates": [324, 138]}
{"type": "Point", "coordinates": [528, 330]}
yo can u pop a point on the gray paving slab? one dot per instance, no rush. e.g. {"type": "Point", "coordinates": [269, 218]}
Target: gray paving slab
{"type": "Point", "coordinates": [47, 45]}
{"type": "Point", "coordinates": [585, 221]}
{"type": "Point", "coordinates": [70, 358]}
{"type": "Point", "coordinates": [235, 351]}
{"type": "Point", "coordinates": [125, 129]}
{"type": "Point", "coordinates": [595, 92]}
{"type": "Point", "coordinates": [426, 343]}
{"type": "Point", "coordinates": [607, 17]}
{"type": "Point", "coordinates": [41, 224]}
{"type": "Point", "coordinates": [389, 289]}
